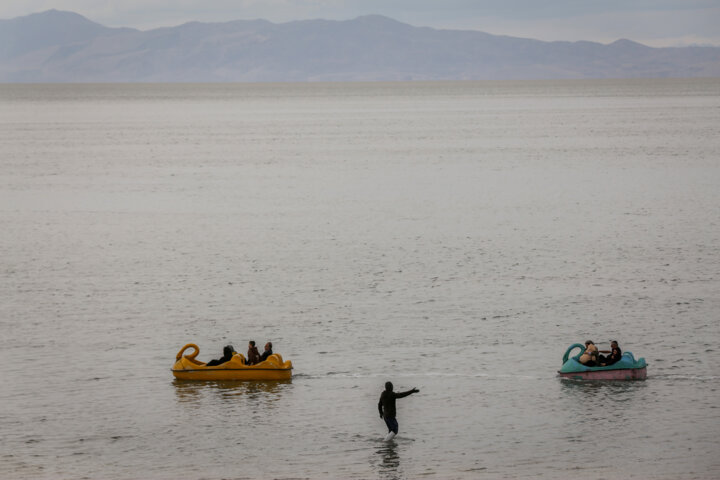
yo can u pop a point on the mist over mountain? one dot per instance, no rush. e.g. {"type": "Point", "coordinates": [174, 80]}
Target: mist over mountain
{"type": "Point", "coordinates": [57, 46]}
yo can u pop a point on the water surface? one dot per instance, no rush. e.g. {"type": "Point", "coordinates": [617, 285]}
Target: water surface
{"type": "Point", "coordinates": [454, 237]}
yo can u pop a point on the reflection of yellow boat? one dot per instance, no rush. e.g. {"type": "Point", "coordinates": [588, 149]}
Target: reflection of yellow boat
{"type": "Point", "coordinates": [187, 368]}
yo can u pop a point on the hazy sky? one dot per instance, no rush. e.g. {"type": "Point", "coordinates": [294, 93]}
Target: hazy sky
{"type": "Point", "coordinates": [652, 22]}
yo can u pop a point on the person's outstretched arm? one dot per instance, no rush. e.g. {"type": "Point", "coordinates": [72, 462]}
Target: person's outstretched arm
{"type": "Point", "coordinates": [405, 394]}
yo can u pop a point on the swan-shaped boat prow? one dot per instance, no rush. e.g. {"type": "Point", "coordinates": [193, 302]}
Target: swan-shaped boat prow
{"type": "Point", "coordinates": [188, 368]}
{"type": "Point", "coordinates": [192, 355]}
{"type": "Point", "coordinates": [627, 368]}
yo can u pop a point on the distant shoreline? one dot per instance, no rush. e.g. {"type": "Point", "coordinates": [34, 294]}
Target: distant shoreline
{"type": "Point", "coordinates": [64, 47]}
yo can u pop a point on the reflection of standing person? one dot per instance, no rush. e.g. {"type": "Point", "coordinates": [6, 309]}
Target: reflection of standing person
{"type": "Point", "coordinates": [386, 406]}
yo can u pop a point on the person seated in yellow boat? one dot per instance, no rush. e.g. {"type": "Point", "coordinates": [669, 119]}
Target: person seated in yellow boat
{"type": "Point", "coordinates": [589, 356]}
{"type": "Point", "coordinates": [267, 352]}
{"type": "Point", "coordinates": [253, 355]}
{"type": "Point", "coordinates": [228, 351]}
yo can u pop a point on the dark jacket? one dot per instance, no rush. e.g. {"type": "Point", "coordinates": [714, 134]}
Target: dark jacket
{"type": "Point", "coordinates": [614, 356]}
{"type": "Point", "coordinates": [265, 354]}
{"type": "Point", "coordinates": [386, 405]}
{"type": "Point", "coordinates": [227, 356]}
{"type": "Point", "coordinates": [253, 356]}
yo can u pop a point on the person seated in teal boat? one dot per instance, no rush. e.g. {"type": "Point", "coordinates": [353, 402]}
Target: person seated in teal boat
{"type": "Point", "coordinates": [589, 357]}
{"type": "Point", "coordinates": [228, 351]}
{"type": "Point", "coordinates": [614, 357]}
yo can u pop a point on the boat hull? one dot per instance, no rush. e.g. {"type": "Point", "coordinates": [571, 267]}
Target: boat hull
{"type": "Point", "coordinates": [622, 374]}
{"type": "Point", "coordinates": [234, 374]}
{"type": "Point", "coordinates": [188, 368]}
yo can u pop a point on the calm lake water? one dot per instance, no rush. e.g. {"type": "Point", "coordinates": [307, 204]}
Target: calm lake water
{"type": "Point", "coordinates": [454, 237]}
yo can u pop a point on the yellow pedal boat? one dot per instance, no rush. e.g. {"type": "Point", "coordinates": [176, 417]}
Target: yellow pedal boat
{"type": "Point", "coordinates": [187, 368]}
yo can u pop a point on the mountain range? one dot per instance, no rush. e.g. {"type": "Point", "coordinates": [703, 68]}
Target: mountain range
{"type": "Point", "coordinates": [56, 46]}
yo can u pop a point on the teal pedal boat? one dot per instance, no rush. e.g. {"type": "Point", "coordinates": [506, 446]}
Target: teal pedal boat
{"type": "Point", "coordinates": [627, 368]}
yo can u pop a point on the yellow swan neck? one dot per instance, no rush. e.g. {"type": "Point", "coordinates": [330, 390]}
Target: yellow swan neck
{"type": "Point", "coordinates": [192, 355]}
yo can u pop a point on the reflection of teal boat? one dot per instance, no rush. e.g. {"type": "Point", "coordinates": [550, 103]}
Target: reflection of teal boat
{"type": "Point", "coordinates": [626, 369]}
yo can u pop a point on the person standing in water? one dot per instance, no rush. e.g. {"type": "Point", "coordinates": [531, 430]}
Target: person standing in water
{"type": "Point", "coordinates": [386, 406]}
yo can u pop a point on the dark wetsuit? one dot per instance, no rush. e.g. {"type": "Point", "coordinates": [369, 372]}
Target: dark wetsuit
{"type": "Point", "coordinates": [386, 407]}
